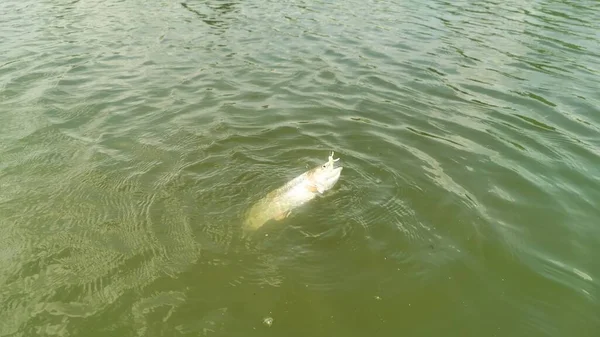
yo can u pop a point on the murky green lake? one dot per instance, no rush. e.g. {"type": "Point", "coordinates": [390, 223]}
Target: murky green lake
{"type": "Point", "coordinates": [134, 136]}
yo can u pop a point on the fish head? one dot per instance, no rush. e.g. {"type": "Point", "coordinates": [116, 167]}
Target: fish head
{"type": "Point", "coordinates": [327, 174]}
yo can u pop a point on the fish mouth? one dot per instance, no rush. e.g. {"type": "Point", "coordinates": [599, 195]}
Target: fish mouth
{"type": "Point", "coordinates": [335, 169]}
{"type": "Point", "coordinates": [336, 172]}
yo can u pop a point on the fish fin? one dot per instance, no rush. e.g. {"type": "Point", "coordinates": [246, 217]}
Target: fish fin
{"type": "Point", "coordinates": [282, 215]}
{"type": "Point", "coordinates": [314, 188]}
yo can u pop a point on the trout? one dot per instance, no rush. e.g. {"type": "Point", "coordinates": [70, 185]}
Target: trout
{"type": "Point", "coordinates": [279, 203]}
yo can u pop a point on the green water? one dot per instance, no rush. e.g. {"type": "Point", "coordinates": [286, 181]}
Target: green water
{"type": "Point", "coordinates": [135, 134]}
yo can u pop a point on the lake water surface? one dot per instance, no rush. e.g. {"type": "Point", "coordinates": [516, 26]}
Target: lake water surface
{"type": "Point", "coordinates": [135, 134]}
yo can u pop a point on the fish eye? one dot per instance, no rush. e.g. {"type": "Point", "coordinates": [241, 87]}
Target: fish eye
{"type": "Point", "coordinates": [324, 166]}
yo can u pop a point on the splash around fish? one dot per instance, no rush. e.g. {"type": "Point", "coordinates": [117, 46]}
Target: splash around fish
{"type": "Point", "coordinates": [279, 203]}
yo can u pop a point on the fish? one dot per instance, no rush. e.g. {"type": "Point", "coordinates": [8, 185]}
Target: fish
{"type": "Point", "coordinates": [279, 203]}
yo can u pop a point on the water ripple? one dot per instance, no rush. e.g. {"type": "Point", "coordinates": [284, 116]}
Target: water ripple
{"type": "Point", "coordinates": [133, 139]}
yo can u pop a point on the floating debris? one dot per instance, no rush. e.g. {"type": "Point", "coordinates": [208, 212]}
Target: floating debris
{"type": "Point", "coordinates": [268, 321]}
